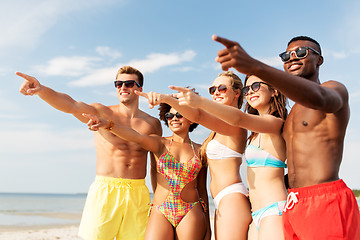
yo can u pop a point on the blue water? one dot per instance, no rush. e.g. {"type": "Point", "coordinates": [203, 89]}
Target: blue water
{"type": "Point", "coordinates": [25, 209]}
{"type": "Point", "coordinates": [29, 209]}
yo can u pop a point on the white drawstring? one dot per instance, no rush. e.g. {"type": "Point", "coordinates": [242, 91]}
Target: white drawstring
{"type": "Point", "coordinates": [291, 200]}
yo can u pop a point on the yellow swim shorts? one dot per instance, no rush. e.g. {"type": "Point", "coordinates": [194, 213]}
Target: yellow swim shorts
{"type": "Point", "coordinates": [115, 207]}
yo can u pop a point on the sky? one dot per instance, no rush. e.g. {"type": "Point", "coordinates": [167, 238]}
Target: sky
{"type": "Point", "coordinates": [76, 47]}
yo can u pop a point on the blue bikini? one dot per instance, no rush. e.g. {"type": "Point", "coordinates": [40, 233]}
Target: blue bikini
{"type": "Point", "coordinates": [257, 157]}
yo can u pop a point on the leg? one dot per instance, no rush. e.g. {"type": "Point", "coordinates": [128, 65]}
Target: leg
{"type": "Point", "coordinates": [158, 227]}
{"type": "Point", "coordinates": [193, 225]}
{"type": "Point", "coordinates": [271, 227]}
{"type": "Point", "coordinates": [233, 217]}
{"type": "Point", "coordinates": [253, 232]}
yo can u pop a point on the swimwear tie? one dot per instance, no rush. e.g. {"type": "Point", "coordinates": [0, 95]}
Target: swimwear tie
{"type": "Point", "coordinates": [291, 201]}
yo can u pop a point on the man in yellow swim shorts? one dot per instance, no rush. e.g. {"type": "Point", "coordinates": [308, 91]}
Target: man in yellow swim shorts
{"type": "Point", "coordinates": [118, 201]}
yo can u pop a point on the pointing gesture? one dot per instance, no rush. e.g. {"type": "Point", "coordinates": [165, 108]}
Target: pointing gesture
{"type": "Point", "coordinates": [233, 56]}
{"type": "Point", "coordinates": [186, 96]}
{"type": "Point", "coordinates": [153, 97]}
{"type": "Point", "coordinates": [30, 86]}
{"type": "Point", "coordinates": [95, 123]}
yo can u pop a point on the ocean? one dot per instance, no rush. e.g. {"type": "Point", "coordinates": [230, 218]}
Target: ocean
{"type": "Point", "coordinates": [34, 209]}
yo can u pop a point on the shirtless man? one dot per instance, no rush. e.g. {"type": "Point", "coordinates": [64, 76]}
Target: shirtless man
{"type": "Point", "coordinates": [319, 204]}
{"type": "Point", "coordinates": [118, 201]}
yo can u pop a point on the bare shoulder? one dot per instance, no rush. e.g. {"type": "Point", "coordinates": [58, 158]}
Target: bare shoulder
{"type": "Point", "coordinates": [337, 86]}
{"type": "Point", "coordinates": [152, 121]}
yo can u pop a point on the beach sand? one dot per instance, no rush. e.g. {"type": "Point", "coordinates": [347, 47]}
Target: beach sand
{"type": "Point", "coordinates": [40, 233]}
{"type": "Point", "coordinates": [44, 232]}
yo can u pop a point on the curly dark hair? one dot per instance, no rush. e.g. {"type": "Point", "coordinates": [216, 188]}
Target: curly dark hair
{"type": "Point", "coordinates": [165, 108]}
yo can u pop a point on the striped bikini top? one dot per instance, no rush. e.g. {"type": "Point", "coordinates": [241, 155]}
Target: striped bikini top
{"type": "Point", "coordinates": [257, 157]}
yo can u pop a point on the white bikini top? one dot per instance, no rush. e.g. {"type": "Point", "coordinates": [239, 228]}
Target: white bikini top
{"type": "Point", "coordinates": [217, 150]}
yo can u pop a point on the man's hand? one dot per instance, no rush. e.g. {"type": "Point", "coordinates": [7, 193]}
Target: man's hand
{"type": "Point", "coordinates": [30, 86]}
{"type": "Point", "coordinates": [95, 123]}
{"type": "Point", "coordinates": [233, 56]}
{"type": "Point", "coordinates": [186, 96]}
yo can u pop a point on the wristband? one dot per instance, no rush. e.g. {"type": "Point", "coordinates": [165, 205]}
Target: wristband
{"type": "Point", "coordinates": [111, 124]}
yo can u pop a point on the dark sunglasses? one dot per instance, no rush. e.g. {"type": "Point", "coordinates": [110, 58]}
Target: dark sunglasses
{"type": "Point", "coordinates": [300, 52]}
{"type": "Point", "coordinates": [221, 88]}
{"type": "Point", "coordinates": [255, 86]}
{"type": "Point", "coordinates": [169, 115]}
{"type": "Point", "coordinates": [128, 83]}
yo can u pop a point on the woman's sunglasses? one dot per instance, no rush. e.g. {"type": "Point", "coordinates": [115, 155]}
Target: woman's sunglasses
{"type": "Point", "coordinates": [169, 115]}
{"type": "Point", "coordinates": [300, 52]}
{"type": "Point", "coordinates": [255, 86]}
{"type": "Point", "coordinates": [221, 88]}
{"type": "Point", "coordinates": [128, 83]}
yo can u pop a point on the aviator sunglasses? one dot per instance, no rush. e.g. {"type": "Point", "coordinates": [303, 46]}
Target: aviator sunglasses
{"type": "Point", "coordinates": [128, 83]}
{"type": "Point", "coordinates": [300, 52]}
{"type": "Point", "coordinates": [255, 86]}
{"type": "Point", "coordinates": [221, 88]}
{"type": "Point", "coordinates": [169, 115]}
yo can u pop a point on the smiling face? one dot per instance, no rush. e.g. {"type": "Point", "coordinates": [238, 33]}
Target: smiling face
{"type": "Point", "coordinates": [127, 95]}
{"type": "Point", "coordinates": [230, 96]}
{"type": "Point", "coordinates": [260, 99]}
{"type": "Point", "coordinates": [307, 67]}
{"type": "Point", "coordinates": [178, 125]}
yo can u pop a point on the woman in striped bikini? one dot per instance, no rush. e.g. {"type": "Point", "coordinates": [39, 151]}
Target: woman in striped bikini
{"type": "Point", "coordinates": [265, 154]}
{"type": "Point", "coordinates": [223, 150]}
{"type": "Point", "coordinates": [179, 206]}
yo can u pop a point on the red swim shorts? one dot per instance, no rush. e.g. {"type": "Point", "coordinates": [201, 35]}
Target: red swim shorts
{"type": "Point", "coordinates": [324, 211]}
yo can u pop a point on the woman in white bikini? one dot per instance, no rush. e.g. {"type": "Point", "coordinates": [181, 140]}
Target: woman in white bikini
{"type": "Point", "coordinates": [224, 149]}
{"type": "Point", "coordinates": [265, 154]}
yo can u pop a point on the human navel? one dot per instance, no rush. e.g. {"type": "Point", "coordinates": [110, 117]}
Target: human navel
{"type": "Point", "coordinates": [305, 123]}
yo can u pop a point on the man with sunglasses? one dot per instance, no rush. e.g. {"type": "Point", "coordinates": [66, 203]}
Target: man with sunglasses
{"type": "Point", "coordinates": [118, 201]}
{"type": "Point", "coordinates": [319, 204]}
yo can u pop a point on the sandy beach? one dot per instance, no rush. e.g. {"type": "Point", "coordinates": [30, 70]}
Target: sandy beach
{"type": "Point", "coordinates": [40, 233]}
{"type": "Point", "coordinates": [45, 232]}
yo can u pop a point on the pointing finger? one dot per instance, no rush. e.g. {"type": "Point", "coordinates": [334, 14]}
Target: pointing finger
{"type": "Point", "coordinates": [180, 89]}
{"type": "Point", "coordinates": [226, 42]}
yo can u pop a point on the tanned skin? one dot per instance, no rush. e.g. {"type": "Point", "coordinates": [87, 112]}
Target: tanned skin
{"type": "Point", "coordinates": [315, 128]}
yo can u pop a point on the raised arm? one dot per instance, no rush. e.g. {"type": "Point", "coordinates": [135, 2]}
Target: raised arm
{"type": "Point", "coordinates": [151, 143]}
{"type": "Point", "coordinates": [231, 115]}
{"type": "Point", "coordinates": [193, 114]}
{"type": "Point", "coordinates": [61, 101]}
{"type": "Point", "coordinates": [328, 97]}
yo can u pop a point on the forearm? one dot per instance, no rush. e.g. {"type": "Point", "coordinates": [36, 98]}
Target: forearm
{"type": "Point", "coordinates": [188, 112]}
{"type": "Point", "coordinates": [307, 92]}
{"type": "Point", "coordinates": [228, 114]}
{"type": "Point", "coordinates": [60, 101]}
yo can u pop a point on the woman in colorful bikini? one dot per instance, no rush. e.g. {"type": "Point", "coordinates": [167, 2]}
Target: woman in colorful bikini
{"type": "Point", "coordinates": [180, 197]}
{"type": "Point", "coordinates": [265, 154]}
{"type": "Point", "coordinates": [224, 150]}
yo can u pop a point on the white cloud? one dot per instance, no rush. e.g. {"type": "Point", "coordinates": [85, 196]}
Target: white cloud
{"type": "Point", "coordinates": [67, 66]}
{"type": "Point", "coordinates": [25, 22]}
{"type": "Point", "coordinates": [335, 54]}
{"type": "Point", "coordinates": [156, 61]}
{"type": "Point", "coordinates": [272, 61]}
{"type": "Point", "coordinates": [151, 63]}
{"type": "Point", "coordinates": [37, 138]}
{"type": "Point", "coordinates": [108, 52]}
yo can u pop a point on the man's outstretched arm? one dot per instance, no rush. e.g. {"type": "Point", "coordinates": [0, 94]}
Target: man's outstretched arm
{"type": "Point", "coordinates": [61, 101]}
{"type": "Point", "coordinates": [329, 97]}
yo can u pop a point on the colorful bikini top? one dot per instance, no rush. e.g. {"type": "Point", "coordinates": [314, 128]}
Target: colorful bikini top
{"type": "Point", "coordinates": [257, 157]}
{"type": "Point", "coordinates": [177, 174]}
{"type": "Point", "coordinates": [217, 150]}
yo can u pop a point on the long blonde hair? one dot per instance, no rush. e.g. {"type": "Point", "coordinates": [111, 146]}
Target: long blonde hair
{"type": "Point", "coordinates": [236, 84]}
